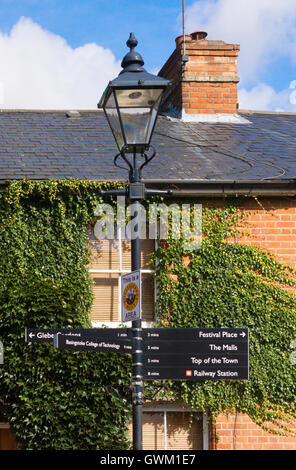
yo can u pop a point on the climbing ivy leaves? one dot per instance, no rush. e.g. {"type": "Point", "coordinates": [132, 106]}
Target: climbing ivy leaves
{"type": "Point", "coordinates": [233, 285]}
{"type": "Point", "coordinates": [54, 399]}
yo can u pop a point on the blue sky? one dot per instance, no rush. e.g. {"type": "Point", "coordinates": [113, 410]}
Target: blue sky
{"type": "Point", "coordinates": [61, 53]}
{"type": "Point", "coordinates": [105, 22]}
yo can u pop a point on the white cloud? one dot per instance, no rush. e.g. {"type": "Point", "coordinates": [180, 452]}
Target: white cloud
{"type": "Point", "coordinates": [265, 29]}
{"type": "Point", "coordinates": [292, 95]}
{"type": "Point", "coordinates": [264, 97]}
{"type": "Point", "coordinates": [259, 97]}
{"type": "Point", "coordinates": [39, 70]}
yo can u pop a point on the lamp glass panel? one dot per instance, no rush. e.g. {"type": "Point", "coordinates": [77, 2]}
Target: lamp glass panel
{"type": "Point", "coordinates": [135, 122]}
{"type": "Point", "coordinates": [110, 103]}
{"type": "Point", "coordinates": [153, 117]}
{"type": "Point", "coordinates": [138, 98]}
{"type": "Point", "coordinates": [113, 118]}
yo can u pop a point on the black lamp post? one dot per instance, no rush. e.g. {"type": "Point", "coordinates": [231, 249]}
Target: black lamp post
{"type": "Point", "coordinates": [131, 103]}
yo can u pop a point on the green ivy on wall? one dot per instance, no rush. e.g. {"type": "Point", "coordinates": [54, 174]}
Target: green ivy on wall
{"type": "Point", "coordinates": [54, 399]}
{"type": "Point", "coordinates": [233, 285]}
{"type": "Point", "coordinates": [75, 400]}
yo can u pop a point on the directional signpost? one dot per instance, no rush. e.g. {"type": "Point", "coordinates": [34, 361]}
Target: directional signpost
{"type": "Point", "coordinates": [196, 354]}
{"type": "Point", "coordinates": [168, 353]}
{"type": "Point", "coordinates": [194, 334]}
{"type": "Point", "coordinates": [83, 339]}
{"type": "Point", "coordinates": [165, 353]}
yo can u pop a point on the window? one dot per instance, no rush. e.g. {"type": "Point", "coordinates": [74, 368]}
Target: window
{"type": "Point", "coordinates": [111, 259]}
{"type": "Point", "coordinates": [171, 430]}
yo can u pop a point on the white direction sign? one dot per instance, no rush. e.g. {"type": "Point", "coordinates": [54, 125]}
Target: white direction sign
{"type": "Point", "coordinates": [131, 296]}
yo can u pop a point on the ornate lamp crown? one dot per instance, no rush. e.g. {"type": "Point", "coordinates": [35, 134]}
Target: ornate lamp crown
{"type": "Point", "coordinates": [132, 61]}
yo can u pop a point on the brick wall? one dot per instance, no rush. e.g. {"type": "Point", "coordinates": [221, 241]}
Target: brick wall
{"type": "Point", "coordinates": [270, 224]}
{"type": "Point", "coordinates": [238, 432]}
{"type": "Point", "coordinates": [209, 98]}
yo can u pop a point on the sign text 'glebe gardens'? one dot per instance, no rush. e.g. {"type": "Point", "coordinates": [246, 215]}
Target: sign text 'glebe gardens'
{"type": "Point", "coordinates": [46, 335]}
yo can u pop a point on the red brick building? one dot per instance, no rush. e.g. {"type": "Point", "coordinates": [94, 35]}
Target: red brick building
{"type": "Point", "coordinates": [207, 149]}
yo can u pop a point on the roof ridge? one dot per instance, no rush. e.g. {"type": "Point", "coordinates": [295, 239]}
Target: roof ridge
{"type": "Point", "coordinates": [252, 111]}
{"type": "Point", "coordinates": [62, 111]}
{"type": "Point", "coordinates": [96, 111]}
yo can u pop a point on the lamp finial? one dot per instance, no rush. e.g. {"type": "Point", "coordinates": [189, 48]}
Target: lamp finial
{"type": "Point", "coordinates": [133, 61]}
{"type": "Point", "coordinates": [132, 42]}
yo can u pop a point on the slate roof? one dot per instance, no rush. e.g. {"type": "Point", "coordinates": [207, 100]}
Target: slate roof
{"type": "Point", "coordinates": [48, 144]}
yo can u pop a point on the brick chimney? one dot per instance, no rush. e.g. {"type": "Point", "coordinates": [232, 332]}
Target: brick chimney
{"type": "Point", "coordinates": [204, 81]}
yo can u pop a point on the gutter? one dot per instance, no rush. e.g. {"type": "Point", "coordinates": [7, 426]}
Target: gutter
{"type": "Point", "coordinates": [215, 188]}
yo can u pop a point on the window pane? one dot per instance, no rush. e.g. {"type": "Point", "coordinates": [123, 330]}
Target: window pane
{"type": "Point", "coordinates": [147, 250]}
{"type": "Point", "coordinates": [148, 297]}
{"type": "Point", "coordinates": [111, 102]}
{"type": "Point", "coordinates": [105, 305]}
{"type": "Point", "coordinates": [180, 435]}
{"type": "Point", "coordinates": [105, 254]}
{"type": "Point", "coordinates": [153, 431]}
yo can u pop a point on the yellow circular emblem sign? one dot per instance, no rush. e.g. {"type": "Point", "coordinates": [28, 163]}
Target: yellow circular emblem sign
{"type": "Point", "coordinates": [130, 296]}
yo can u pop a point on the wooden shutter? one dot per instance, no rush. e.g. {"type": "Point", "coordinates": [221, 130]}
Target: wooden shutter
{"type": "Point", "coordinates": [105, 305]}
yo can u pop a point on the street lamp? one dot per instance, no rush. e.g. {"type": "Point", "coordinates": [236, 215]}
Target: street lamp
{"type": "Point", "coordinates": [131, 103]}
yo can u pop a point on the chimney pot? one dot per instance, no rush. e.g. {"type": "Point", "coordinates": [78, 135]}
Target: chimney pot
{"type": "Point", "coordinates": [198, 35]}
{"type": "Point", "coordinates": [179, 39]}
